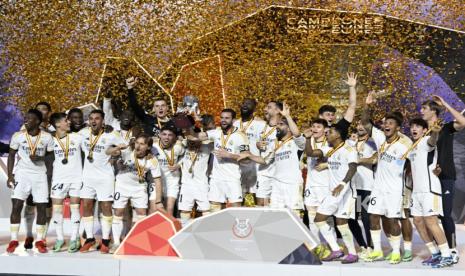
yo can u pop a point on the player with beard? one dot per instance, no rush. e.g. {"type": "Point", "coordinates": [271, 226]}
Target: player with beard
{"type": "Point", "coordinates": [266, 142]}
{"type": "Point", "coordinates": [30, 176]}
{"type": "Point", "coordinates": [342, 166]}
{"type": "Point", "coordinates": [430, 112]}
{"type": "Point", "coordinates": [253, 128]}
{"type": "Point", "coordinates": [98, 178]}
{"type": "Point", "coordinates": [169, 153]}
{"type": "Point", "coordinates": [388, 188]}
{"type": "Point", "coordinates": [67, 175]}
{"type": "Point", "coordinates": [317, 184]}
{"type": "Point", "coordinates": [363, 181]}
{"type": "Point", "coordinates": [76, 119]}
{"type": "Point", "coordinates": [229, 142]}
{"type": "Point", "coordinates": [287, 186]}
{"type": "Point", "coordinates": [426, 195]}
{"type": "Point", "coordinates": [152, 125]}
{"type": "Point", "coordinates": [131, 182]}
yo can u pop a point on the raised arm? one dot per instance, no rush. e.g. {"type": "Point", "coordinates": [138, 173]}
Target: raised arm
{"type": "Point", "coordinates": [459, 122]}
{"type": "Point", "coordinates": [351, 82]}
{"type": "Point", "coordinates": [109, 117]}
{"type": "Point", "coordinates": [434, 135]}
{"type": "Point", "coordinates": [366, 113]}
{"type": "Point", "coordinates": [135, 106]}
{"type": "Point", "coordinates": [286, 113]}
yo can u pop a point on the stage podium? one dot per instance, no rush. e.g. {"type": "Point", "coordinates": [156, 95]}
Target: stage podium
{"type": "Point", "coordinates": [247, 234]}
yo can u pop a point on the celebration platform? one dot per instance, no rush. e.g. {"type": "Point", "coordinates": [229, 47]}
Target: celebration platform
{"type": "Point", "coordinates": [94, 263]}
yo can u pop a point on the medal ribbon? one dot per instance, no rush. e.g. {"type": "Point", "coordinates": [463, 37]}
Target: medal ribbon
{"type": "Point", "coordinates": [93, 142]}
{"type": "Point", "coordinates": [128, 135]}
{"type": "Point", "coordinates": [170, 158]}
{"type": "Point", "coordinates": [33, 147]}
{"type": "Point", "coordinates": [333, 150]}
{"type": "Point", "coordinates": [266, 134]}
{"type": "Point", "coordinates": [140, 169]}
{"type": "Point", "coordinates": [193, 158]}
{"type": "Point", "coordinates": [314, 142]}
{"type": "Point", "coordinates": [279, 145]}
{"type": "Point", "coordinates": [65, 149]}
{"type": "Point", "coordinates": [383, 147]}
{"type": "Point", "coordinates": [244, 129]}
{"type": "Point", "coordinates": [224, 141]}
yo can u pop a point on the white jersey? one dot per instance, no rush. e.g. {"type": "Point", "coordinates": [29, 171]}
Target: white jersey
{"type": "Point", "coordinates": [49, 128]}
{"type": "Point", "coordinates": [269, 135]}
{"type": "Point", "coordinates": [390, 169]}
{"type": "Point", "coordinates": [235, 143]}
{"type": "Point", "coordinates": [127, 135]}
{"type": "Point", "coordinates": [338, 164]}
{"type": "Point", "coordinates": [317, 178]}
{"type": "Point", "coordinates": [423, 160]}
{"type": "Point", "coordinates": [253, 129]}
{"type": "Point", "coordinates": [100, 168]}
{"type": "Point", "coordinates": [70, 172]}
{"type": "Point", "coordinates": [128, 172]}
{"type": "Point", "coordinates": [196, 174]}
{"type": "Point", "coordinates": [287, 162]}
{"type": "Point", "coordinates": [169, 156]}
{"type": "Point", "coordinates": [19, 142]}
{"type": "Point", "coordinates": [364, 178]}
{"type": "Point", "coordinates": [110, 119]}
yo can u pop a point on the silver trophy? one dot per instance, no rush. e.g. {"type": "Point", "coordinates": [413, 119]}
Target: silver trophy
{"type": "Point", "coordinates": [190, 105]}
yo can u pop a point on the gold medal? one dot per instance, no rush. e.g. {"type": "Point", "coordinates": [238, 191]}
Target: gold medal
{"type": "Point", "coordinates": [64, 148]}
{"type": "Point", "coordinates": [265, 133]}
{"type": "Point", "coordinates": [224, 141]}
{"type": "Point", "coordinates": [193, 158]}
{"type": "Point", "coordinates": [92, 145]}
{"type": "Point", "coordinates": [140, 169]}
{"type": "Point", "coordinates": [170, 158]}
{"type": "Point", "coordinates": [33, 147]}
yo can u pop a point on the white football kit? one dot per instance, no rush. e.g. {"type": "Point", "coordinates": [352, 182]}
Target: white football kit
{"type": "Point", "coordinates": [31, 177]}
{"type": "Point", "coordinates": [98, 175]}
{"type": "Point", "coordinates": [287, 185]}
{"type": "Point", "coordinates": [343, 205]}
{"type": "Point", "coordinates": [317, 184]}
{"type": "Point", "coordinates": [225, 180]}
{"type": "Point", "coordinates": [167, 157]}
{"type": "Point", "coordinates": [194, 179]}
{"type": "Point", "coordinates": [426, 194]}
{"type": "Point", "coordinates": [253, 130]}
{"type": "Point", "coordinates": [364, 177]}
{"type": "Point", "coordinates": [388, 189]}
{"type": "Point", "coordinates": [67, 175]}
{"type": "Point", "coordinates": [265, 173]}
{"type": "Point", "coordinates": [131, 180]}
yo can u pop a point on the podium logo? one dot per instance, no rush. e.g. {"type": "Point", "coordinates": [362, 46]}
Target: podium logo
{"type": "Point", "coordinates": [242, 228]}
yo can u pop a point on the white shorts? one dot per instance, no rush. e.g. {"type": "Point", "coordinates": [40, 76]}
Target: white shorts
{"type": "Point", "coordinates": [223, 191]}
{"type": "Point", "coordinates": [31, 184]}
{"type": "Point", "coordinates": [135, 192]}
{"type": "Point", "coordinates": [407, 199]}
{"type": "Point", "coordinates": [193, 193]}
{"type": "Point", "coordinates": [386, 204]}
{"type": "Point", "coordinates": [100, 189]}
{"type": "Point", "coordinates": [61, 190]}
{"type": "Point", "coordinates": [249, 177]}
{"type": "Point", "coordinates": [170, 187]}
{"type": "Point", "coordinates": [314, 196]}
{"type": "Point", "coordinates": [263, 187]}
{"type": "Point", "coordinates": [342, 206]}
{"type": "Point", "coordinates": [426, 204]}
{"type": "Point", "coordinates": [285, 195]}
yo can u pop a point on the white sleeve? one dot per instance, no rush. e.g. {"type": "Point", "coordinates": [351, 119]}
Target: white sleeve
{"type": "Point", "coordinates": [300, 142]}
{"type": "Point", "coordinates": [155, 168]}
{"type": "Point", "coordinates": [378, 136]}
{"type": "Point", "coordinates": [212, 134]}
{"type": "Point", "coordinates": [352, 156]}
{"type": "Point", "coordinates": [109, 117]}
{"type": "Point", "coordinates": [325, 149]}
{"type": "Point", "coordinates": [424, 144]}
{"type": "Point", "coordinates": [14, 143]}
{"type": "Point", "coordinates": [50, 144]}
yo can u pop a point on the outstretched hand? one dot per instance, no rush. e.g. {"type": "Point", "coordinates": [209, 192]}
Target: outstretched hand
{"type": "Point", "coordinates": [370, 98]}
{"type": "Point", "coordinates": [351, 79]}
{"type": "Point", "coordinates": [286, 110]}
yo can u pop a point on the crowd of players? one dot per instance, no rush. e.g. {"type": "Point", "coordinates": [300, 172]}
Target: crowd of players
{"type": "Point", "coordinates": [379, 173]}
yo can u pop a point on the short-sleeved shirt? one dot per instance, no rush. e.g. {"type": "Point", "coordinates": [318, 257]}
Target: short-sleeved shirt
{"type": "Point", "coordinates": [423, 160]}
{"type": "Point", "coordinates": [71, 172]}
{"type": "Point", "coordinates": [269, 135]}
{"type": "Point", "coordinates": [100, 168]}
{"type": "Point", "coordinates": [317, 178]}
{"type": "Point", "coordinates": [164, 156]}
{"type": "Point", "coordinates": [20, 143]}
{"type": "Point", "coordinates": [253, 129]}
{"type": "Point", "coordinates": [364, 178]}
{"type": "Point", "coordinates": [390, 169]}
{"type": "Point", "coordinates": [227, 169]}
{"type": "Point", "coordinates": [127, 170]}
{"type": "Point", "coordinates": [287, 161]}
{"type": "Point", "coordinates": [200, 167]}
{"type": "Point", "coordinates": [445, 146]}
{"type": "Point", "coordinates": [338, 163]}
